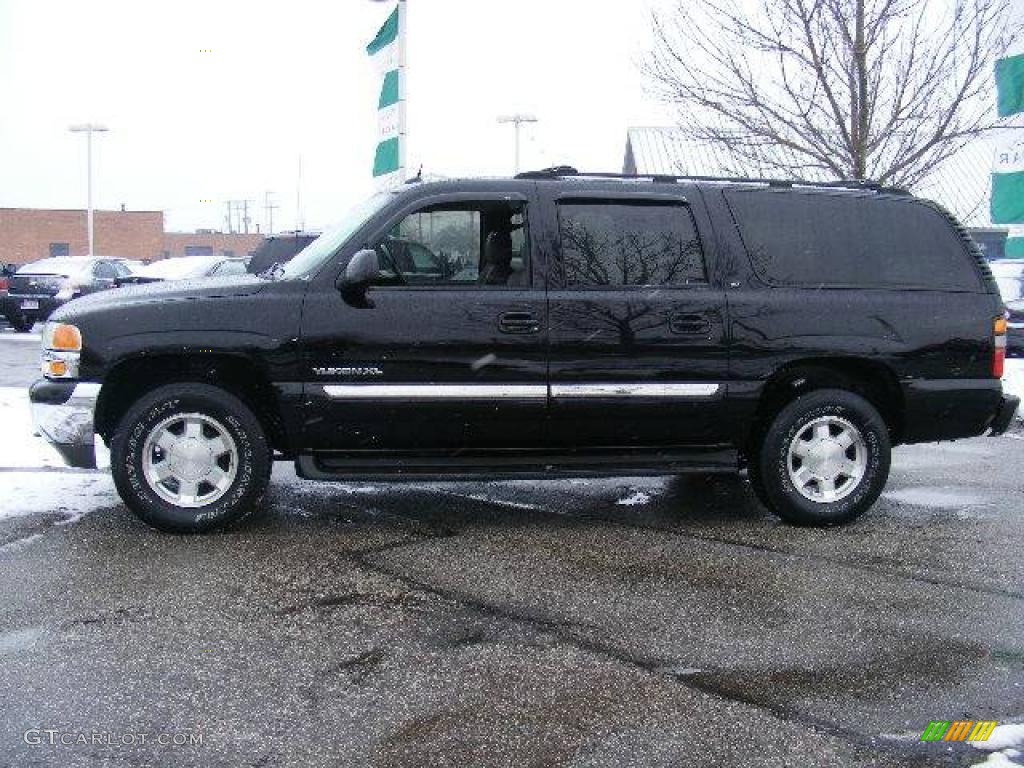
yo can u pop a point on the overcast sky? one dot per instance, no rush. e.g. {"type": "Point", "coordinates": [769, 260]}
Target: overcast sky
{"type": "Point", "coordinates": [288, 78]}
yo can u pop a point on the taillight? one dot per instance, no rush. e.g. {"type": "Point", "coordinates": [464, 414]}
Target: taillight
{"type": "Point", "coordinates": [3, 283]}
{"type": "Point", "coordinates": [999, 351]}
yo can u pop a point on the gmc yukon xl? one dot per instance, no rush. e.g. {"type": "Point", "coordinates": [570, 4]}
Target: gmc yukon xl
{"type": "Point", "coordinates": [553, 324]}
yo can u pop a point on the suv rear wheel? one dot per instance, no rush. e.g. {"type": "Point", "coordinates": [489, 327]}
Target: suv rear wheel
{"type": "Point", "coordinates": [824, 459]}
{"type": "Point", "coordinates": [188, 458]}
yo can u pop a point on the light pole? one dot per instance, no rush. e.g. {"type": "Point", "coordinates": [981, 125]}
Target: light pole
{"type": "Point", "coordinates": [517, 120]}
{"type": "Point", "coordinates": [89, 129]}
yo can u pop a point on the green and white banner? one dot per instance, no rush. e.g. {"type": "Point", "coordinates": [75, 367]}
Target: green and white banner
{"type": "Point", "coordinates": [1008, 178]}
{"type": "Point", "coordinates": [1010, 85]}
{"type": "Point", "coordinates": [387, 52]}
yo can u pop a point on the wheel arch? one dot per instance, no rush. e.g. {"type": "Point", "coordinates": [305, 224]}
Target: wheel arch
{"type": "Point", "coordinates": [132, 377]}
{"type": "Point", "coordinates": [874, 381]}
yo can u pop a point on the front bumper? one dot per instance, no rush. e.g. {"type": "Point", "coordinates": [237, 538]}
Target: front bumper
{"type": "Point", "coordinates": [63, 414]}
{"type": "Point", "coordinates": [1003, 417]}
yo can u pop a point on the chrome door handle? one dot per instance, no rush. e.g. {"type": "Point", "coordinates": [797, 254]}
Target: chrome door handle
{"type": "Point", "coordinates": [518, 322]}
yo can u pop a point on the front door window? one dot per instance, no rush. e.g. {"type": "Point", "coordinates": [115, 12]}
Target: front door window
{"type": "Point", "coordinates": [476, 244]}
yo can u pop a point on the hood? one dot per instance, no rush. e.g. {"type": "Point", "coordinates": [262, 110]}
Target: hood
{"type": "Point", "coordinates": [162, 292]}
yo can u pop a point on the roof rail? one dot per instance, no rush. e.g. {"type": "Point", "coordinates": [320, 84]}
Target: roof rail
{"type": "Point", "coordinates": [563, 171]}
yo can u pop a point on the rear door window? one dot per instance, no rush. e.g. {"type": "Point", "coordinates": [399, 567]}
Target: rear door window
{"type": "Point", "coordinates": [843, 240]}
{"type": "Point", "coordinates": [616, 244]}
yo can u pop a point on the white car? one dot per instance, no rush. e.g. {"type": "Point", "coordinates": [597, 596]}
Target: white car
{"type": "Point", "coordinates": [188, 268]}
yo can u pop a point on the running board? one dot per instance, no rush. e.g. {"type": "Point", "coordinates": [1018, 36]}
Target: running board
{"type": "Point", "coordinates": [494, 465]}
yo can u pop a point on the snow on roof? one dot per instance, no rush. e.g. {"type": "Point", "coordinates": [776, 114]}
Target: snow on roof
{"type": "Point", "coordinates": [961, 184]}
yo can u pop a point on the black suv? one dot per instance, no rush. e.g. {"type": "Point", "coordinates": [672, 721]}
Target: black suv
{"type": "Point", "coordinates": [549, 325]}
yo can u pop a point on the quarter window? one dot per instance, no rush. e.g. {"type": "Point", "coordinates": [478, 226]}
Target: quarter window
{"type": "Point", "coordinates": [483, 244]}
{"type": "Point", "coordinates": [614, 244]}
{"type": "Point", "coordinates": [850, 240]}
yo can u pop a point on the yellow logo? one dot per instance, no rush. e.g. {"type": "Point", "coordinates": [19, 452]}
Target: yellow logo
{"type": "Point", "coordinates": [958, 730]}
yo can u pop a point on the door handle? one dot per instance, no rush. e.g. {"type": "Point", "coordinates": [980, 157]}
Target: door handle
{"type": "Point", "coordinates": [689, 324]}
{"type": "Point", "coordinates": [518, 322]}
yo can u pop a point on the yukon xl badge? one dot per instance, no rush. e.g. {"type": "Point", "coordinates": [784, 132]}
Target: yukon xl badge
{"type": "Point", "coordinates": [355, 371]}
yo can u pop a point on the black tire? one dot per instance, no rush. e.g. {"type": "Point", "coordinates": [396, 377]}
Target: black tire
{"type": "Point", "coordinates": [21, 323]}
{"type": "Point", "coordinates": [252, 458]}
{"type": "Point", "coordinates": [790, 423]}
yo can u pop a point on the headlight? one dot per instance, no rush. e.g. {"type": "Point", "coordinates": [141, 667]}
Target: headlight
{"type": "Point", "coordinates": [62, 345]}
{"type": "Point", "coordinates": [63, 337]}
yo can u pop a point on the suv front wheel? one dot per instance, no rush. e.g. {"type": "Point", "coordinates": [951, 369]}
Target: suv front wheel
{"type": "Point", "coordinates": [824, 459]}
{"type": "Point", "coordinates": [188, 458]}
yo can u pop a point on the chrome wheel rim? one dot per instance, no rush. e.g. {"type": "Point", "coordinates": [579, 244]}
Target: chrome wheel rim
{"type": "Point", "coordinates": [827, 459]}
{"type": "Point", "coordinates": [190, 460]}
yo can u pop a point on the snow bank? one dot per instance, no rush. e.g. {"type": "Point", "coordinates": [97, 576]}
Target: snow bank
{"type": "Point", "coordinates": [1000, 760]}
{"type": "Point", "coordinates": [70, 494]}
{"type": "Point", "coordinates": [1001, 744]}
{"type": "Point", "coordinates": [1007, 735]}
{"type": "Point", "coordinates": [19, 448]}
{"type": "Point", "coordinates": [1013, 381]}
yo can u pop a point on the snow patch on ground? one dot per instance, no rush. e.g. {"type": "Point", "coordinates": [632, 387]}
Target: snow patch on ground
{"type": "Point", "coordinates": [938, 498]}
{"type": "Point", "coordinates": [19, 447]}
{"type": "Point", "coordinates": [19, 544]}
{"type": "Point", "coordinates": [634, 499]}
{"type": "Point", "coordinates": [1001, 744]}
{"type": "Point", "coordinates": [1003, 736]}
{"type": "Point", "coordinates": [34, 338]}
{"type": "Point", "coordinates": [1000, 760]}
{"type": "Point", "coordinates": [1013, 381]}
{"type": "Point", "coordinates": [70, 494]}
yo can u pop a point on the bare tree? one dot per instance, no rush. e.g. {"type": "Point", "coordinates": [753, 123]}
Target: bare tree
{"type": "Point", "coordinates": [866, 89]}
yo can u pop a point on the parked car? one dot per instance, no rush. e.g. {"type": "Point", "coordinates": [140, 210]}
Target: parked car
{"type": "Point", "coordinates": [1015, 328]}
{"type": "Point", "coordinates": [37, 289]}
{"type": "Point", "coordinates": [606, 327]}
{"type": "Point", "coordinates": [278, 249]}
{"type": "Point", "coordinates": [6, 272]}
{"type": "Point", "coordinates": [1009, 275]}
{"type": "Point", "coordinates": [186, 268]}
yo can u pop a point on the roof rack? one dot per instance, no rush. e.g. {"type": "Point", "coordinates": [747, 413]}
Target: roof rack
{"type": "Point", "coordinates": [567, 171]}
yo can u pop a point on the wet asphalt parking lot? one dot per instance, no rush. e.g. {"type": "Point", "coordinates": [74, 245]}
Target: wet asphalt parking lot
{"type": "Point", "coordinates": [639, 621]}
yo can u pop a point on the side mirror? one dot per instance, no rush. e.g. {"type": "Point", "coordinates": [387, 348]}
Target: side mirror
{"type": "Point", "coordinates": [362, 270]}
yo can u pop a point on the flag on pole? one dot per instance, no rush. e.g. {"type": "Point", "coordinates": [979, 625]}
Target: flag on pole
{"type": "Point", "coordinates": [1010, 85]}
{"type": "Point", "coordinates": [387, 51]}
{"type": "Point", "coordinates": [1008, 178]}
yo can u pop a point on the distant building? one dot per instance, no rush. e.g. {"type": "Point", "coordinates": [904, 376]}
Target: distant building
{"type": "Point", "coordinates": [30, 234]}
{"type": "Point", "coordinates": [206, 243]}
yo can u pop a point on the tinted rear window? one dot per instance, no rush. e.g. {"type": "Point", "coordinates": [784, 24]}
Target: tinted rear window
{"type": "Point", "coordinates": [70, 265]}
{"type": "Point", "coordinates": [815, 239]}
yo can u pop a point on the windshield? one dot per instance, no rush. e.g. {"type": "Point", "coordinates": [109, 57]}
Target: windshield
{"type": "Point", "coordinates": [314, 255]}
{"type": "Point", "coordinates": [180, 268]}
{"type": "Point", "coordinates": [71, 265]}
